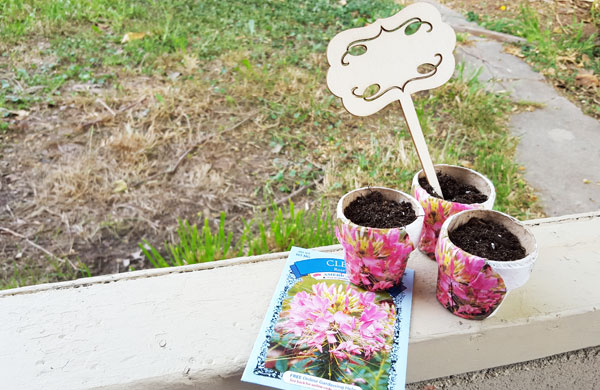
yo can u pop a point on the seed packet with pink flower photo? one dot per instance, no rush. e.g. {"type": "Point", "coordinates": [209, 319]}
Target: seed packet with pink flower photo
{"type": "Point", "coordinates": [322, 332]}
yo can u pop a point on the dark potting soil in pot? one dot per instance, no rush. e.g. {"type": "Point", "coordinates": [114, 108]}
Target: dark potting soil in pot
{"type": "Point", "coordinates": [487, 239]}
{"type": "Point", "coordinates": [374, 210]}
{"type": "Point", "coordinates": [454, 191]}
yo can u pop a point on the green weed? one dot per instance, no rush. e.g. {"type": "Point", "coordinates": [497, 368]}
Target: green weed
{"type": "Point", "coordinates": [84, 38]}
{"type": "Point", "coordinates": [205, 27]}
{"type": "Point", "coordinates": [289, 227]}
{"type": "Point", "coordinates": [284, 228]}
{"type": "Point", "coordinates": [194, 245]}
{"type": "Point", "coordinates": [28, 271]}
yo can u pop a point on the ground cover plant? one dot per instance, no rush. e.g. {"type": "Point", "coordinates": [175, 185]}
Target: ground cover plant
{"type": "Point", "coordinates": [118, 119]}
{"type": "Point", "coordinates": [563, 41]}
{"type": "Point", "coordinates": [277, 230]}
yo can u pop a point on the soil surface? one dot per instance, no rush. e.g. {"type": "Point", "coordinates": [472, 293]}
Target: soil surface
{"type": "Point", "coordinates": [454, 191]}
{"type": "Point", "coordinates": [487, 239]}
{"type": "Point", "coordinates": [373, 210]}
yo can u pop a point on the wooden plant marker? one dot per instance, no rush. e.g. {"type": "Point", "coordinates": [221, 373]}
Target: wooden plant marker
{"type": "Point", "coordinates": [390, 59]}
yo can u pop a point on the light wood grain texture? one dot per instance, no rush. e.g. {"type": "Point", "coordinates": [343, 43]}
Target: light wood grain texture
{"type": "Point", "coordinates": [375, 65]}
{"type": "Point", "coordinates": [416, 133]}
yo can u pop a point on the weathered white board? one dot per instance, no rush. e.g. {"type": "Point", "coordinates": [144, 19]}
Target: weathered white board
{"type": "Point", "coordinates": [169, 329]}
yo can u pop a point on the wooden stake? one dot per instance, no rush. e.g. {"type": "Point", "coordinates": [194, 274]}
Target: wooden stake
{"type": "Point", "coordinates": [416, 133]}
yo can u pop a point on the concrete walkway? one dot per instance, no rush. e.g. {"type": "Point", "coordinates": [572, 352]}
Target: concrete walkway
{"type": "Point", "coordinates": [559, 145]}
{"type": "Point", "coordinates": [547, 373]}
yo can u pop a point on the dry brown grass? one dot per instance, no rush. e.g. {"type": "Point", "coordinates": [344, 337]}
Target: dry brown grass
{"type": "Point", "coordinates": [103, 180]}
{"type": "Point", "coordinates": [93, 174]}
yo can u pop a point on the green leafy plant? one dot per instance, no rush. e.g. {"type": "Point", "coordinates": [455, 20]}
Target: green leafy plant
{"type": "Point", "coordinates": [194, 246]}
{"type": "Point", "coordinates": [300, 228]}
{"type": "Point", "coordinates": [31, 271]}
{"type": "Point", "coordinates": [284, 228]}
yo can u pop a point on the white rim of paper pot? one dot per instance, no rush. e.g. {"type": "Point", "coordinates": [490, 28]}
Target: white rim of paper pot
{"type": "Point", "coordinates": [515, 273]}
{"type": "Point", "coordinates": [413, 229]}
{"type": "Point", "coordinates": [488, 204]}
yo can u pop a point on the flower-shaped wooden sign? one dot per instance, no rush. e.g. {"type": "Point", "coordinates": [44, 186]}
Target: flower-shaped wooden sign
{"type": "Point", "coordinates": [375, 65]}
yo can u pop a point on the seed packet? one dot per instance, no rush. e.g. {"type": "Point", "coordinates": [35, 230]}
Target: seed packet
{"type": "Point", "coordinates": [322, 332]}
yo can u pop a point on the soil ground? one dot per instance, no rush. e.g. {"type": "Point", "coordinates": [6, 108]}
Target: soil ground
{"type": "Point", "coordinates": [94, 195]}
{"type": "Point", "coordinates": [487, 239]}
{"type": "Point", "coordinates": [373, 210]}
{"type": "Point", "coordinates": [109, 135]}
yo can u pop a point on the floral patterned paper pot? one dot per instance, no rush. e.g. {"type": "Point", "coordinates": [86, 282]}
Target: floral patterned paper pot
{"type": "Point", "coordinates": [376, 258]}
{"type": "Point", "coordinates": [473, 287]}
{"type": "Point", "coordinates": [438, 210]}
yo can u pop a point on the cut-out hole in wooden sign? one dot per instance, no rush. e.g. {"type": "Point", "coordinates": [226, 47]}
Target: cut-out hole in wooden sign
{"type": "Point", "coordinates": [412, 28]}
{"type": "Point", "coordinates": [369, 93]}
{"type": "Point", "coordinates": [426, 68]}
{"type": "Point", "coordinates": [357, 50]}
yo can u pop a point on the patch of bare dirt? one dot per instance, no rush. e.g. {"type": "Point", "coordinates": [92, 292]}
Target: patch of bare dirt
{"type": "Point", "coordinates": [91, 176]}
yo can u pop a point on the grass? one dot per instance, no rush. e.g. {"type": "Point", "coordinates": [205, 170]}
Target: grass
{"type": "Point", "coordinates": [467, 126]}
{"type": "Point", "coordinates": [109, 143]}
{"type": "Point", "coordinates": [26, 272]}
{"type": "Point", "coordinates": [561, 52]}
{"type": "Point", "coordinates": [84, 37]}
{"type": "Point", "coordinates": [278, 230]}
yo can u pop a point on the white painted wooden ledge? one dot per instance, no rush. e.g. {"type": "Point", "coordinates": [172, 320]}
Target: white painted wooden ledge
{"type": "Point", "coordinates": [193, 327]}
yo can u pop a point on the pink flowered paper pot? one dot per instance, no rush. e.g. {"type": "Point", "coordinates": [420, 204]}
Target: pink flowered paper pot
{"type": "Point", "coordinates": [438, 210]}
{"type": "Point", "coordinates": [473, 287]}
{"type": "Point", "coordinates": [376, 258]}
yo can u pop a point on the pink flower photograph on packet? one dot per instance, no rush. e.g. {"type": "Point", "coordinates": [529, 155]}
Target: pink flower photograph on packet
{"type": "Point", "coordinates": [322, 332]}
{"type": "Point", "coordinates": [333, 330]}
